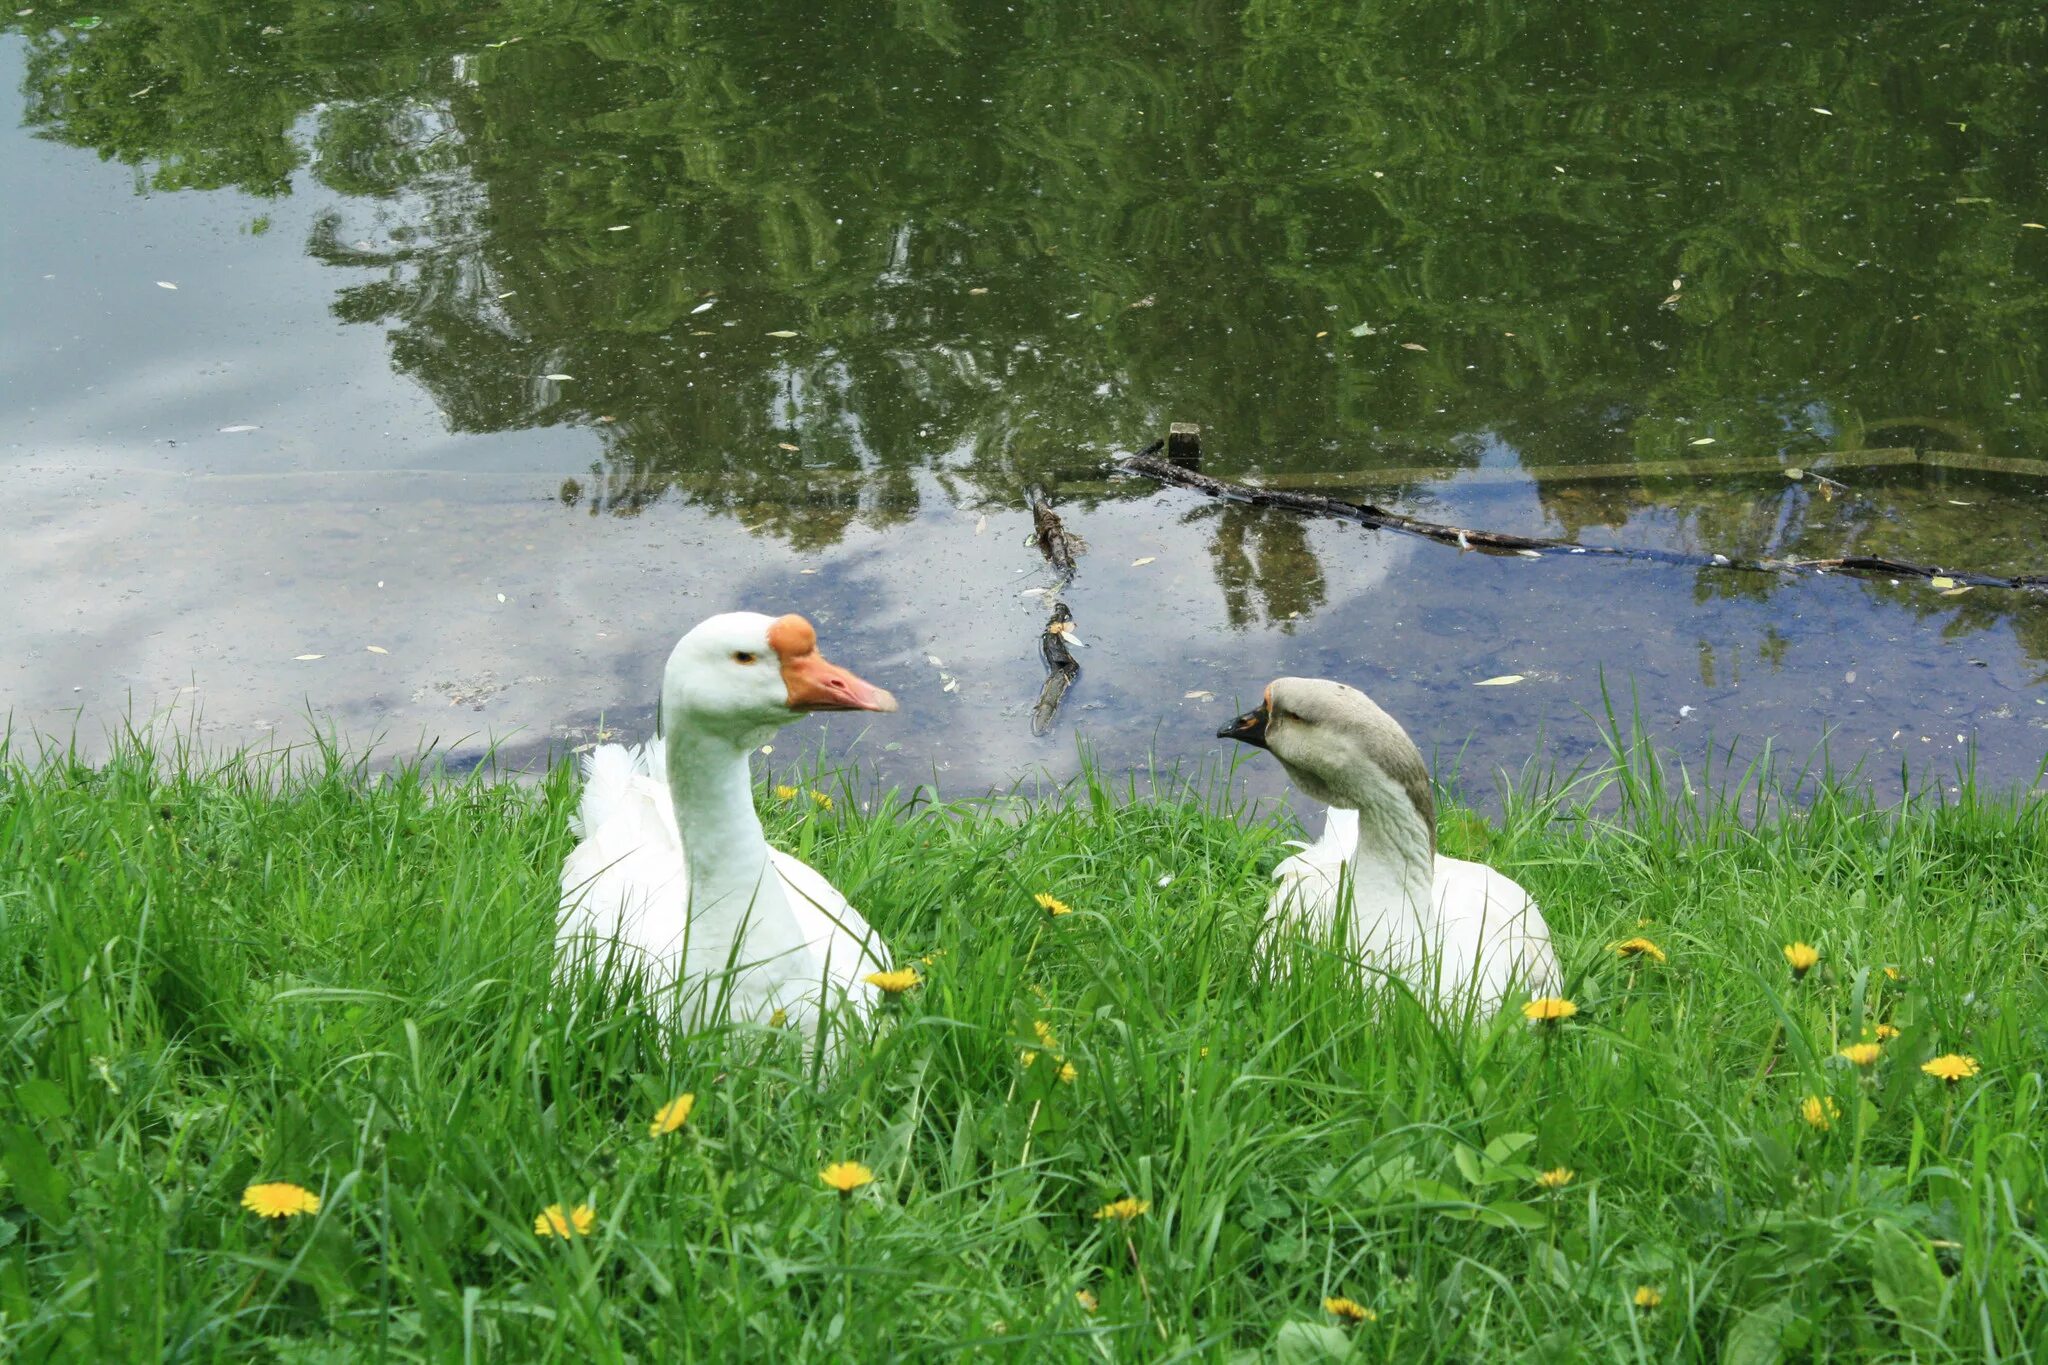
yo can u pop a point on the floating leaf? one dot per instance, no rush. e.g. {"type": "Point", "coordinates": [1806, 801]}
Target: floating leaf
{"type": "Point", "coordinates": [1504, 680]}
{"type": "Point", "coordinates": [1141, 563]}
{"type": "Point", "coordinates": [785, 335]}
{"type": "Point", "coordinates": [1321, 335]}
{"type": "Point", "coordinates": [1363, 329]}
{"type": "Point", "coordinates": [1818, 110]}
{"type": "Point", "coordinates": [165, 284]}
{"type": "Point", "coordinates": [806, 570]}
{"type": "Point", "coordinates": [1795, 473]}
{"type": "Point", "coordinates": [1957, 591]}
{"type": "Point", "coordinates": [1704, 441]}
{"type": "Point", "coordinates": [1958, 502]}
{"type": "Point", "coordinates": [1198, 695]}
{"type": "Point", "coordinates": [978, 289]}
{"type": "Point", "coordinates": [558, 377]}
{"type": "Point", "coordinates": [238, 428]}
{"type": "Point", "coordinates": [784, 445]}
{"type": "Point", "coordinates": [376, 649]}
{"type": "Point", "coordinates": [2040, 226]}
{"type": "Point", "coordinates": [1942, 581]}
{"type": "Point", "coordinates": [305, 658]}
{"type": "Point", "coordinates": [1974, 199]}
{"type": "Point", "coordinates": [621, 227]}
{"type": "Point", "coordinates": [705, 306]}
{"type": "Point", "coordinates": [1413, 346]}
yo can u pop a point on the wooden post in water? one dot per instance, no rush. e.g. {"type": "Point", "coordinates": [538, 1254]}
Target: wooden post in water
{"type": "Point", "coordinates": [1184, 445]}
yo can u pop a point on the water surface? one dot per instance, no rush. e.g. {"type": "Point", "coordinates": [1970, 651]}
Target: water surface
{"type": "Point", "coordinates": [511, 339]}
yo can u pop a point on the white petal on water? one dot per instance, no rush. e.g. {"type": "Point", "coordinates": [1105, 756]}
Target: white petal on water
{"type": "Point", "coordinates": [980, 524]}
{"type": "Point", "coordinates": [1198, 695]}
{"type": "Point", "coordinates": [165, 284]}
{"type": "Point", "coordinates": [705, 306]}
{"type": "Point", "coordinates": [558, 376]}
{"type": "Point", "coordinates": [622, 227]}
{"type": "Point", "coordinates": [806, 570]}
{"type": "Point", "coordinates": [1141, 563]}
{"type": "Point", "coordinates": [376, 649]}
{"type": "Point", "coordinates": [1504, 680]}
{"type": "Point", "coordinates": [784, 335]}
{"type": "Point", "coordinates": [501, 597]}
{"type": "Point", "coordinates": [238, 427]}
{"type": "Point", "coordinates": [1704, 441]}
{"type": "Point", "coordinates": [303, 658]}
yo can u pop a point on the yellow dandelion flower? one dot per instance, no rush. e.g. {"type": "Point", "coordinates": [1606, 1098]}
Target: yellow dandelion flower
{"type": "Point", "coordinates": [1053, 905]}
{"type": "Point", "coordinates": [1863, 1054]}
{"type": "Point", "coordinates": [1086, 1300]}
{"type": "Point", "coordinates": [1045, 1034]}
{"type": "Point", "coordinates": [1027, 1057]}
{"type": "Point", "coordinates": [1067, 1073]}
{"type": "Point", "coordinates": [1556, 1178]}
{"type": "Point", "coordinates": [893, 983]}
{"type": "Point", "coordinates": [824, 802]}
{"type": "Point", "coordinates": [1647, 1297]}
{"type": "Point", "coordinates": [1639, 947]}
{"type": "Point", "coordinates": [1891, 973]}
{"type": "Point", "coordinates": [779, 1018]}
{"type": "Point", "coordinates": [553, 1222]}
{"type": "Point", "coordinates": [672, 1115]}
{"type": "Point", "coordinates": [1951, 1067]}
{"type": "Point", "coordinates": [1820, 1111]}
{"type": "Point", "coordinates": [785, 793]}
{"type": "Point", "coordinates": [1123, 1210]}
{"type": "Point", "coordinates": [1886, 1032]}
{"type": "Point", "coordinates": [1351, 1310]}
{"type": "Point", "coordinates": [1551, 1009]}
{"type": "Point", "coordinates": [279, 1199]}
{"type": "Point", "coordinates": [1801, 956]}
{"type": "Point", "coordinates": [846, 1176]}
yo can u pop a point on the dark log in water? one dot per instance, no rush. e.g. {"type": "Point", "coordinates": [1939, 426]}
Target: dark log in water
{"type": "Point", "coordinates": [1537, 547]}
{"type": "Point", "coordinates": [1061, 669]}
{"type": "Point", "coordinates": [1054, 541]}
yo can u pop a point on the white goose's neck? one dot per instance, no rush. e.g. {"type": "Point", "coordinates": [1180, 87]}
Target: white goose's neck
{"type": "Point", "coordinates": [1396, 846]}
{"type": "Point", "coordinates": [723, 844]}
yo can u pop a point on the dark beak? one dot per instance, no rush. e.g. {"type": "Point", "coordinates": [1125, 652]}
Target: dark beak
{"type": "Point", "coordinates": [1249, 728]}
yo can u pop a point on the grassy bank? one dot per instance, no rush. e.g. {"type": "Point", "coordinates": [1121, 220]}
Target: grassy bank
{"type": "Point", "coordinates": [216, 978]}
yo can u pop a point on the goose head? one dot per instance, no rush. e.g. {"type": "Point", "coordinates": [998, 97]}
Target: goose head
{"type": "Point", "coordinates": [1339, 748]}
{"type": "Point", "coordinates": [741, 674]}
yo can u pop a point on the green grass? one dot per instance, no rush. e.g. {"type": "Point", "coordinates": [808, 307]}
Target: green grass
{"type": "Point", "coordinates": [215, 974]}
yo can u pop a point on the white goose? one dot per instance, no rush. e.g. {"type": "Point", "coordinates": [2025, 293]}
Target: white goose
{"type": "Point", "coordinates": [1455, 932]}
{"type": "Point", "coordinates": [673, 878]}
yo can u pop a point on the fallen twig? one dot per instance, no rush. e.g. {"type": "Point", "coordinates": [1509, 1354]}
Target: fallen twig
{"type": "Point", "coordinates": [1538, 547]}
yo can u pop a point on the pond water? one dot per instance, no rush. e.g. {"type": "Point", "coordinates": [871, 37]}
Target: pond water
{"type": "Point", "coordinates": [478, 349]}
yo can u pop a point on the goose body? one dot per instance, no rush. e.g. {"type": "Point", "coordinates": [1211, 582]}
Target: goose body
{"type": "Point", "coordinates": [1457, 933]}
{"type": "Point", "coordinates": [672, 878]}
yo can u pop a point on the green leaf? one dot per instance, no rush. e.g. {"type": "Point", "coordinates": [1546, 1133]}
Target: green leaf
{"type": "Point", "coordinates": [1907, 1280]}
{"type": "Point", "coordinates": [42, 1189]}
{"type": "Point", "coordinates": [41, 1098]}
{"type": "Point", "coordinates": [1469, 1164]}
{"type": "Point", "coordinates": [1304, 1343]}
{"type": "Point", "coordinates": [1757, 1338]}
{"type": "Point", "coordinates": [1510, 1213]}
{"type": "Point", "coordinates": [1508, 1146]}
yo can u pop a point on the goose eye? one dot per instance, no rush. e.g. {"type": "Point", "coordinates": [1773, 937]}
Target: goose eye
{"type": "Point", "coordinates": [741, 656]}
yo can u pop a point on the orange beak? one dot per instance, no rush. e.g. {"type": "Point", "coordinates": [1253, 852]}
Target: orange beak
{"type": "Point", "coordinates": [813, 683]}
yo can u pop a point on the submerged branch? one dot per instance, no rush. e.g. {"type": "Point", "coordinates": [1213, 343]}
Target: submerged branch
{"type": "Point", "coordinates": [1537, 547]}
